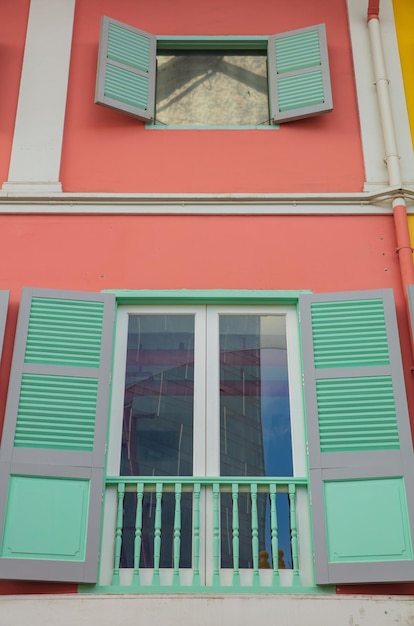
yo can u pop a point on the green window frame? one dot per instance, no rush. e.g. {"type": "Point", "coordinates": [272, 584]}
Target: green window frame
{"type": "Point", "coordinates": [298, 69]}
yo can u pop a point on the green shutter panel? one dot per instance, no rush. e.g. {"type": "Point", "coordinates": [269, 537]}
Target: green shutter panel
{"type": "Point", "coordinates": [126, 69]}
{"type": "Point", "coordinates": [299, 81]}
{"type": "Point", "coordinates": [360, 447]}
{"type": "Point", "coordinates": [53, 448]}
{"type": "Point", "coordinates": [4, 301]}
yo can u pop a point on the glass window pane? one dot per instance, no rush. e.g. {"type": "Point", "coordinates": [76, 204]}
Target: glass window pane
{"type": "Point", "coordinates": [255, 432]}
{"type": "Point", "coordinates": [157, 436]}
{"type": "Point", "coordinates": [212, 88]}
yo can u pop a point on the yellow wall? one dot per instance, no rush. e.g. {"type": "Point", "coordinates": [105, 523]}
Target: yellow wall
{"type": "Point", "coordinates": [404, 21]}
{"type": "Point", "coordinates": [411, 228]}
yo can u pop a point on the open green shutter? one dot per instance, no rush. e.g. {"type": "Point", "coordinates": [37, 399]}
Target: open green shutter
{"type": "Point", "coordinates": [360, 447]}
{"type": "Point", "coordinates": [299, 81]}
{"type": "Point", "coordinates": [53, 448]}
{"type": "Point", "coordinates": [4, 301]}
{"type": "Point", "coordinates": [126, 69]}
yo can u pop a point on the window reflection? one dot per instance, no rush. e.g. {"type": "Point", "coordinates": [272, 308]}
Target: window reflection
{"type": "Point", "coordinates": [212, 88]}
{"type": "Point", "coordinates": [157, 434]}
{"type": "Point", "coordinates": [255, 437]}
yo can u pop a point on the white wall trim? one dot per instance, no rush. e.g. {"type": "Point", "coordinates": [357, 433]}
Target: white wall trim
{"type": "Point", "coordinates": [243, 610]}
{"type": "Point", "coordinates": [38, 133]}
{"type": "Point", "coordinates": [379, 203]}
{"type": "Point", "coordinates": [376, 175]}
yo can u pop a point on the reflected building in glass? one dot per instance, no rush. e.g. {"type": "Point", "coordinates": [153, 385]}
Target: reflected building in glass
{"type": "Point", "coordinates": [158, 427]}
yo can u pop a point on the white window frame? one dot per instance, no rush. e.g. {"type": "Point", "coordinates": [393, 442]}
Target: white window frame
{"type": "Point", "coordinates": [206, 405]}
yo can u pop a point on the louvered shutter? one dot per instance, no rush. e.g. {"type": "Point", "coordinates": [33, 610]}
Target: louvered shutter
{"type": "Point", "coordinates": [360, 447]}
{"type": "Point", "coordinates": [4, 301]}
{"type": "Point", "coordinates": [126, 69]}
{"type": "Point", "coordinates": [299, 81]}
{"type": "Point", "coordinates": [53, 448]}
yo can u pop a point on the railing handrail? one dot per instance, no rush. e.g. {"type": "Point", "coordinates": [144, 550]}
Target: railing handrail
{"type": "Point", "coordinates": [299, 481]}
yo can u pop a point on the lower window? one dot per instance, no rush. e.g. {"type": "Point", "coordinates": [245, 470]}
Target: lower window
{"type": "Point", "coordinates": [206, 460]}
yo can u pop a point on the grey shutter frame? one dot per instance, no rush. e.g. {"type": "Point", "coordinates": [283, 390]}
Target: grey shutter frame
{"type": "Point", "coordinates": [299, 79]}
{"type": "Point", "coordinates": [42, 456]}
{"type": "Point", "coordinates": [389, 465]}
{"type": "Point", "coordinates": [126, 71]}
{"type": "Point", "coordinates": [4, 302]}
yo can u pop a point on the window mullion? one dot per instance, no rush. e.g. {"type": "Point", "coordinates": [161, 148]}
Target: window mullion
{"type": "Point", "coordinates": [212, 392]}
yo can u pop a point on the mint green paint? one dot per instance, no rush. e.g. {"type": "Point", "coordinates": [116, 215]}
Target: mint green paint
{"type": "Point", "coordinates": [138, 534]}
{"type": "Point", "coordinates": [118, 532]}
{"type": "Point", "coordinates": [294, 533]}
{"type": "Point", "coordinates": [56, 412]}
{"type": "Point", "coordinates": [215, 485]}
{"type": "Point", "coordinates": [255, 536]}
{"type": "Point", "coordinates": [349, 333]}
{"type": "Point", "coordinates": [235, 532]}
{"type": "Point", "coordinates": [129, 47]}
{"type": "Point", "coordinates": [216, 534]}
{"type": "Point", "coordinates": [297, 51]}
{"type": "Point", "coordinates": [157, 534]}
{"type": "Point", "coordinates": [300, 90]}
{"type": "Point", "coordinates": [215, 589]}
{"type": "Point", "coordinates": [159, 126]}
{"type": "Point", "coordinates": [204, 481]}
{"type": "Point", "coordinates": [126, 86]}
{"type": "Point", "coordinates": [360, 514]}
{"type": "Point", "coordinates": [46, 518]}
{"type": "Point", "coordinates": [357, 414]}
{"type": "Point", "coordinates": [64, 332]}
{"type": "Point", "coordinates": [196, 541]}
{"type": "Point", "coordinates": [229, 42]}
{"type": "Point", "coordinates": [177, 533]}
{"type": "Point", "coordinates": [199, 296]}
{"type": "Point", "coordinates": [274, 534]}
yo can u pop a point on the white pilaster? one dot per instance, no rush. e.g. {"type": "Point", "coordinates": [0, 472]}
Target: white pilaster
{"type": "Point", "coordinates": [376, 175]}
{"type": "Point", "coordinates": [38, 133]}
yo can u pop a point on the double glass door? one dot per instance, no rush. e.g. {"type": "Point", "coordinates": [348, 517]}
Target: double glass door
{"type": "Point", "coordinates": [207, 392]}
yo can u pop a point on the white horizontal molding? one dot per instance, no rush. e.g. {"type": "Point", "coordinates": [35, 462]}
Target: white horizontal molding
{"type": "Point", "coordinates": [205, 204]}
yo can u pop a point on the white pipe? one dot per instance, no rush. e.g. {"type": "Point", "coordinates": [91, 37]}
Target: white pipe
{"type": "Point", "coordinates": [392, 158]}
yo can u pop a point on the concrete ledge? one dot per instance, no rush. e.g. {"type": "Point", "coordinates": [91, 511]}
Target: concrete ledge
{"type": "Point", "coordinates": [175, 610]}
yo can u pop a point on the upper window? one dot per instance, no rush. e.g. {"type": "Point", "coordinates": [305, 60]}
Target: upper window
{"type": "Point", "coordinates": [213, 81]}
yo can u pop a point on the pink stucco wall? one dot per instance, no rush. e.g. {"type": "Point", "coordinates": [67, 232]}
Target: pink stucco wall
{"type": "Point", "coordinates": [105, 150]}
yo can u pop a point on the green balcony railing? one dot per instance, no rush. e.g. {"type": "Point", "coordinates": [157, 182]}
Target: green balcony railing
{"type": "Point", "coordinates": [207, 534]}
